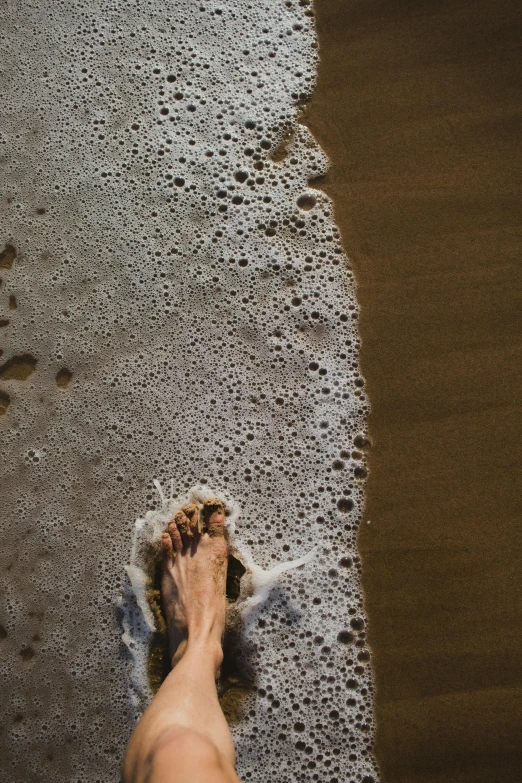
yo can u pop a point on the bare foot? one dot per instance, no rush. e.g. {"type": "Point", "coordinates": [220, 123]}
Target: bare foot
{"type": "Point", "coordinates": [193, 582]}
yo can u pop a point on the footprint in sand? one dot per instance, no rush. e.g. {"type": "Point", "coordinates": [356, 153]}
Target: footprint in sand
{"type": "Point", "coordinates": [21, 366]}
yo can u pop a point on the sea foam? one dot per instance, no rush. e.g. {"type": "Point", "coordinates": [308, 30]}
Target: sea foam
{"type": "Point", "coordinates": [179, 305]}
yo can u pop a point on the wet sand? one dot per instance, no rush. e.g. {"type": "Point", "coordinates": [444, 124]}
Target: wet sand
{"type": "Point", "coordinates": [418, 107]}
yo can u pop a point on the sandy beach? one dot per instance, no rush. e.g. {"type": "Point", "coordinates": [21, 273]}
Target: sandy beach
{"type": "Point", "coordinates": [173, 301]}
{"type": "Point", "coordinates": [418, 108]}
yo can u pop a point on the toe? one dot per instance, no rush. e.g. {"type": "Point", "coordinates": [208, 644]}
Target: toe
{"type": "Point", "coordinates": [214, 517]}
{"type": "Point", "coordinates": [175, 536]}
{"type": "Point", "coordinates": [184, 529]}
{"type": "Point", "coordinates": [192, 513]}
{"type": "Point", "coordinates": [166, 546]}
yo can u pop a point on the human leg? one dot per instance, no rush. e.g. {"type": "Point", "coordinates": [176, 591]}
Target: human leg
{"type": "Point", "coordinates": [183, 736]}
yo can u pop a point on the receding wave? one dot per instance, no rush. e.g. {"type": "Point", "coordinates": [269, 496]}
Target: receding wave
{"type": "Point", "coordinates": [176, 304]}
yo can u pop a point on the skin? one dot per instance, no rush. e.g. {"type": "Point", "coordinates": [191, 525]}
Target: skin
{"type": "Point", "coordinates": [183, 736]}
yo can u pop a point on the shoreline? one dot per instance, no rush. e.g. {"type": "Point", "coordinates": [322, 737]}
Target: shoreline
{"type": "Point", "coordinates": [419, 111]}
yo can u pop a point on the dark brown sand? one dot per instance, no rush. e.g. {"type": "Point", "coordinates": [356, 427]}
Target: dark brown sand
{"type": "Point", "coordinates": [419, 108]}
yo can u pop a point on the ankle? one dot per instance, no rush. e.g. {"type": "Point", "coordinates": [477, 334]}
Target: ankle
{"type": "Point", "coordinates": [207, 649]}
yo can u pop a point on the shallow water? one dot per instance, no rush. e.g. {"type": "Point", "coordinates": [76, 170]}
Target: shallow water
{"type": "Point", "coordinates": [179, 305]}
